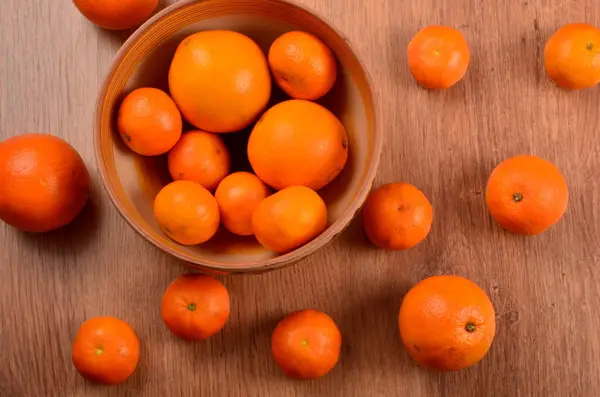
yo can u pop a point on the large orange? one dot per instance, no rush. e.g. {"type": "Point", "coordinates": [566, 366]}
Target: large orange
{"type": "Point", "coordinates": [116, 14]}
{"type": "Point", "coordinates": [187, 212]}
{"type": "Point", "coordinates": [200, 157]}
{"type": "Point", "coordinates": [572, 56]}
{"type": "Point", "coordinates": [44, 183]}
{"type": "Point", "coordinates": [306, 344]}
{"type": "Point", "coordinates": [238, 195]}
{"type": "Point", "coordinates": [298, 143]}
{"type": "Point", "coordinates": [149, 122]}
{"type": "Point", "coordinates": [220, 80]}
{"type": "Point", "coordinates": [289, 218]}
{"type": "Point", "coordinates": [397, 216]}
{"type": "Point", "coordinates": [303, 66]}
{"type": "Point", "coordinates": [447, 323]}
{"type": "Point", "coordinates": [106, 350]}
{"type": "Point", "coordinates": [526, 194]}
{"type": "Point", "coordinates": [195, 306]}
{"type": "Point", "coordinates": [438, 57]}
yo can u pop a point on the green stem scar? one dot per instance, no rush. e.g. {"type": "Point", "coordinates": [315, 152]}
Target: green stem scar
{"type": "Point", "coordinates": [192, 307]}
{"type": "Point", "coordinates": [99, 351]}
{"type": "Point", "coordinates": [470, 327]}
{"type": "Point", "coordinates": [517, 197]}
{"type": "Point", "coordinates": [304, 342]}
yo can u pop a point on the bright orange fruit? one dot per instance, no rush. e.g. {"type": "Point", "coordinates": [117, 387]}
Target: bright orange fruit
{"type": "Point", "coordinates": [116, 14]}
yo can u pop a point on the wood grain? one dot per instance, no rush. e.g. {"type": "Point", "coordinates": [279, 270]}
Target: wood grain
{"type": "Point", "coordinates": [545, 289]}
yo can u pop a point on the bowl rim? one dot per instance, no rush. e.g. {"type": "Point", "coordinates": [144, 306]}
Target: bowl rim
{"type": "Point", "coordinates": [277, 262]}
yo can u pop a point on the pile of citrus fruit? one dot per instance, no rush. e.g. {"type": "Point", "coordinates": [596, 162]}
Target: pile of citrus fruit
{"type": "Point", "coordinates": [220, 82]}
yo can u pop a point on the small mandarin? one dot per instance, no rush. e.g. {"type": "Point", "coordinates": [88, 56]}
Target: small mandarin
{"type": "Point", "coordinates": [116, 14]}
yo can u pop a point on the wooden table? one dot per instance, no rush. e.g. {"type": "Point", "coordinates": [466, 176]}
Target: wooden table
{"type": "Point", "coordinates": [545, 289]}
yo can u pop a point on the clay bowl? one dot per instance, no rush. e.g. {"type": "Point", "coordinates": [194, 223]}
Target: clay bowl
{"type": "Point", "coordinates": [133, 181]}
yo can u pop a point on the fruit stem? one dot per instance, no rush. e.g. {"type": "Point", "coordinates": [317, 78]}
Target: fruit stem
{"type": "Point", "coordinates": [590, 46]}
{"type": "Point", "coordinates": [304, 342]}
{"type": "Point", "coordinates": [517, 197]}
{"type": "Point", "coordinates": [470, 327]}
{"type": "Point", "coordinates": [192, 307]}
{"type": "Point", "coordinates": [99, 351]}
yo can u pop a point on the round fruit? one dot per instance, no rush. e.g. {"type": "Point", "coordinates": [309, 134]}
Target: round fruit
{"type": "Point", "coordinates": [149, 122]}
{"type": "Point", "coordinates": [447, 323]}
{"type": "Point", "coordinates": [526, 195]}
{"type": "Point", "coordinates": [44, 184]}
{"type": "Point", "coordinates": [106, 350]}
{"type": "Point", "coordinates": [289, 218]}
{"type": "Point", "coordinates": [116, 14]}
{"type": "Point", "coordinates": [200, 157]}
{"type": "Point", "coordinates": [298, 143]}
{"type": "Point", "coordinates": [438, 57]}
{"type": "Point", "coordinates": [238, 195]}
{"type": "Point", "coordinates": [195, 306]}
{"type": "Point", "coordinates": [220, 80]}
{"type": "Point", "coordinates": [303, 66]}
{"type": "Point", "coordinates": [572, 56]}
{"type": "Point", "coordinates": [306, 344]}
{"type": "Point", "coordinates": [397, 216]}
{"type": "Point", "coordinates": [187, 212]}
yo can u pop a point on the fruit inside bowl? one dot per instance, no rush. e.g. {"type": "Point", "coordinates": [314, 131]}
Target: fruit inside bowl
{"type": "Point", "coordinates": [311, 125]}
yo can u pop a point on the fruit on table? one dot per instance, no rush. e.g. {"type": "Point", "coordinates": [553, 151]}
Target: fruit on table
{"type": "Point", "coordinates": [438, 57]}
{"type": "Point", "coordinates": [195, 306]}
{"type": "Point", "coordinates": [149, 122]}
{"type": "Point", "coordinates": [44, 183]}
{"type": "Point", "coordinates": [572, 56]}
{"type": "Point", "coordinates": [447, 323]}
{"type": "Point", "coordinates": [116, 14]}
{"type": "Point", "coordinates": [289, 218]}
{"type": "Point", "coordinates": [220, 80]}
{"type": "Point", "coordinates": [238, 195]}
{"type": "Point", "coordinates": [303, 66]}
{"type": "Point", "coordinates": [526, 195]}
{"type": "Point", "coordinates": [106, 350]}
{"type": "Point", "coordinates": [298, 142]}
{"type": "Point", "coordinates": [397, 216]}
{"type": "Point", "coordinates": [200, 157]}
{"type": "Point", "coordinates": [306, 344]}
{"type": "Point", "coordinates": [187, 212]}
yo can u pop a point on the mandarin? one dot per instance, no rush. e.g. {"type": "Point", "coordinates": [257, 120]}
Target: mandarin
{"type": "Point", "coordinates": [116, 14]}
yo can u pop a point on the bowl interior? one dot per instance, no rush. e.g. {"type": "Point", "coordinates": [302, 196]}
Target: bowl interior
{"type": "Point", "coordinates": [133, 181]}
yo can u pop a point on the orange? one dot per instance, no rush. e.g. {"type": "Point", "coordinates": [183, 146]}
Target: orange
{"type": "Point", "coordinates": [116, 14]}
{"type": "Point", "coordinates": [195, 306]}
{"type": "Point", "coordinates": [438, 57]}
{"type": "Point", "coordinates": [220, 80]}
{"type": "Point", "coordinates": [572, 56]}
{"type": "Point", "coordinates": [447, 323]}
{"type": "Point", "coordinates": [303, 66]}
{"type": "Point", "coordinates": [149, 122]}
{"type": "Point", "coordinates": [238, 195]}
{"type": "Point", "coordinates": [526, 195]}
{"type": "Point", "coordinates": [397, 216]}
{"type": "Point", "coordinates": [44, 183]}
{"type": "Point", "coordinates": [298, 143]}
{"type": "Point", "coordinates": [106, 350]}
{"type": "Point", "coordinates": [187, 212]}
{"type": "Point", "coordinates": [306, 344]}
{"type": "Point", "coordinates": [289, 218]}
{"type": "Point", "coordinates": [200, 157]}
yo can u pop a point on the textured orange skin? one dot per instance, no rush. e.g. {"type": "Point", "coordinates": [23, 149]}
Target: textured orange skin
{"type": "Point", "coordinates": [116, 14]}
{"type": "Point", "coordinates": [212, 306]}
{"type": "Point", "coordinates": [303, 66]}
{"type": "Point", "coordinates": [433, 318]}
{"type": "Point", "coordinates": [149, 122]}
{"type": "Point", "coordinates": [306, 344]}
{"type": "Point", "coordinates": [187, 212]}
{"type": "Point", "coordinates": [220, 80]}
{"type": "Point", "coordinates": [572, 56]}
{"type": "Point", "coordinates": [438, 57]}
{"type": "Point", "coordinates": [200, 157]}
{"type": "Point", "coordinates": [544, 191]}
{"type": "Point", "coordinates": [397, 216]}
{"type": "Point", "coordinates": [298, 143]}
{"type": "Point", "coordinates": [238, 195]}
{"type": "Point", "coordinates": [289, 218]}
{"type": "Point", "coordinates": [120, 350]}
{"type": "Point", "coordinates": [44, 183]}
